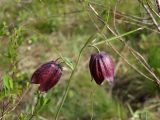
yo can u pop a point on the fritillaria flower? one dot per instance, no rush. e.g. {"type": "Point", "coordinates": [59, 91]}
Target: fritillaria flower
{"type": "Point", "coordinates": [101, 67]}
{"type": "Point", "coordinates": [47, 75]}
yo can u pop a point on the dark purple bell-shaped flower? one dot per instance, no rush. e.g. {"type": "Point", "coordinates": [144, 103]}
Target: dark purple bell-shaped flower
{"type": "Point", "coordinates": [101, 67]}
{"type": "Point", "coordinates": [47, 75]}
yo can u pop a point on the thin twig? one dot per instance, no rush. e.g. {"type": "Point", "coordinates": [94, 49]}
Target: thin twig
{"type": "Point", "coordinates": [152, 9]}
{"type": "Point", "coordinates": [150, 14]}
{"type": "Point", "coordinates": [2, 111]}
{"type": "Point", "coordinates": [158, 6]}
{"type": "Point", "coordinates": [14, 107]}
{"type": "Point", "coordinates": [139, 25]}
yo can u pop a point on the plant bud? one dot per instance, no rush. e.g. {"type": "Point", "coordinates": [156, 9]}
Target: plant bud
{"type": "Point", "coordinates": [101, 67]}
{"type": "Point", "coordinates": [47, 75]}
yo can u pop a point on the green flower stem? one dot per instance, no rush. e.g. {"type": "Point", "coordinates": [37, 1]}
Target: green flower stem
{"type": "Point", "coordinates": [35, 106]}
{"type": "Point", "coordinates": [70, 78]}
{"type": "Point", "coordinates": [95, 47]}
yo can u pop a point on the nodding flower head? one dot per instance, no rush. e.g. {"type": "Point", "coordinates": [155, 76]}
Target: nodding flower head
{"type": "Point", "coordinates": [101, 67]}
{"type": "Point", "coordinates": [47, 75]}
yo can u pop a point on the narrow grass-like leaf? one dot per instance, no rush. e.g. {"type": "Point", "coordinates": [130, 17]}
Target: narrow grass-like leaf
{"type": "Point", "coordinates": [119, 36]}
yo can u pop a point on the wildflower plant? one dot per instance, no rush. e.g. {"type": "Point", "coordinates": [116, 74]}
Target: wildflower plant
{"type": "Point", "coordinates": [20, 98]}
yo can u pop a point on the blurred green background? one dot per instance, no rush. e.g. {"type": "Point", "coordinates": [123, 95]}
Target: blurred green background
{"type": "Point", "coordinates": [31, 33]}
